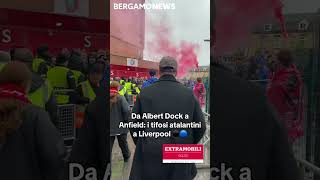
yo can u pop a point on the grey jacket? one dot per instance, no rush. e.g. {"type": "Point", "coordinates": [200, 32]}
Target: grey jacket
{"type": "Point", "coordinates": [119, 112]}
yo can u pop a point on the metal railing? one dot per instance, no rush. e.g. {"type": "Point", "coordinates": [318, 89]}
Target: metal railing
{"type": "Point", "coordinates": [305, 166]}
{"type": "Point", "coordinates": [66, 117]}
{"type": "Point", "coordinates": [206, 137]}
{"type": "Point", "coordinates": [206, 143]}
{"type": "Point", "coordinates": [66, 121]}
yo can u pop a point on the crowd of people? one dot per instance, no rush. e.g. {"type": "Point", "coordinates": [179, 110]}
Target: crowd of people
{"type": "Point", "coordinates": [32, 88]}
{"type": "Point", "coordinates": [131, 86]}
{"type": "Point", "coordinates": [281, 80]}
{"type": "Point", "coordinates": [257, 67]}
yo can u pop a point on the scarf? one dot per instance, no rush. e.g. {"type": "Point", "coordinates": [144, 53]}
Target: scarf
{"type": "Point", "coordinates": [113, 90]}
{"type": "Point", "coordinates": [13, 91]}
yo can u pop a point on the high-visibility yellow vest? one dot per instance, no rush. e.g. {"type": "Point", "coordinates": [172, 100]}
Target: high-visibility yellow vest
{"type": "Point", "coordinates": [36, 64]}
{"type": "Point", "coordinates": [121, 81]}
{"type": "Point", "coordinates": [135, 87]}
{"type": "Point", "coordinates": [128, 86]}
{"type": "Point", "coordinates": [2, 65]}
{"type": "Point", "coordinates": [137, 90]}
{"type": "Point", "coordinates": [77, 75]}
{"type": "Point", "coordinates": [57, 76]}
{"type": "Point", "coordinates": [123, 91]}
{"type": "Point", "coordinates": [42, 95]}
{"type": "Point", "coordinates": [87, 90]}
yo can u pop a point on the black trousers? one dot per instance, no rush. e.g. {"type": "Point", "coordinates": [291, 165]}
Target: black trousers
{"type": "Point", "coordinates": [122, 140]}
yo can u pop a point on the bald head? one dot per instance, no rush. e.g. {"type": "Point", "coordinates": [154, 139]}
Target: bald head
{"type": "Point", "coordinates": [4, 57]}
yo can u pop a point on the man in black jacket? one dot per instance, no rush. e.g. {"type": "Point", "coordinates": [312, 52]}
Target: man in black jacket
{"type": "Point", "coordinates": [248, 141]}
{"type": "Point", "coordinates": [165, 96]}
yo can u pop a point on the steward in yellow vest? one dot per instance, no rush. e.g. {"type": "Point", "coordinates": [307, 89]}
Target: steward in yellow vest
{"type": "Point", "coordinates": [40, 92]}
{"type": "Point", "coordinates": [39, 66]}
{"type": "Point", "coordinates": [41, 95]}
{"type": "Point", "coordinates": [43, 62]}
{"type": "Point", "coordinates": [79, 77]}
{"type": "Point", "coordinates": [135, 89]}
{"type": "Point", "coordinates": [122, 81]}
{"type": "Point", "coordinates": [128, 86]}
{"type": "Point", "coordinates": [62, 80]}
{"type": "Point", "coordinates": [123, 91]}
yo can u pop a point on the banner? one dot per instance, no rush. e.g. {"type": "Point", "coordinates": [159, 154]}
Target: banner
{"type": "Point", "coordinates": [132, 62]}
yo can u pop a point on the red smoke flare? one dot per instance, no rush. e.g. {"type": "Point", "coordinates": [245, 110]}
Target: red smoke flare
{"type": "Point", "coordinates": [163, 45]}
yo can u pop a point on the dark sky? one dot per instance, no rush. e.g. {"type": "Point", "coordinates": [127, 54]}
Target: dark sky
{"type": "Point", "coordinates": [300, 6]}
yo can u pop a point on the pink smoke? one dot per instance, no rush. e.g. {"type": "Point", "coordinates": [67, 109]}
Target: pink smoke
{"type": "Point", "coordinates": [236, 19]}
{"type": "Point", "coordinates": [162, 44]}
